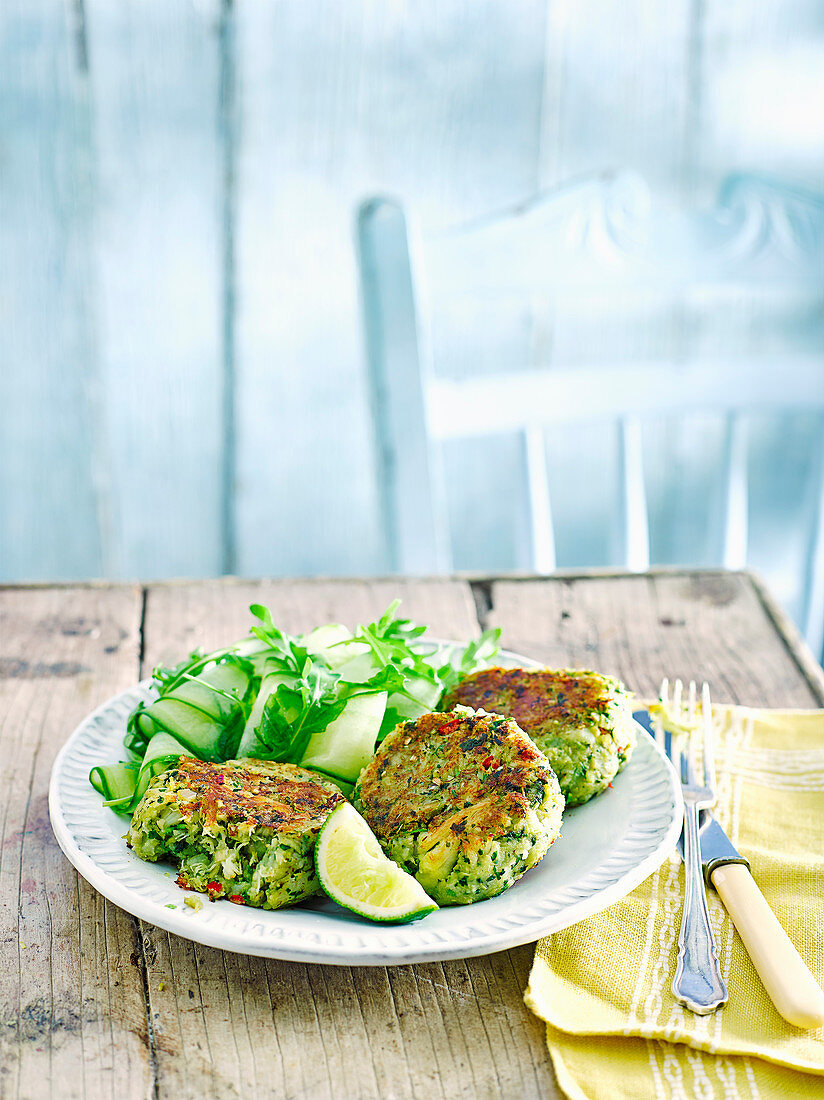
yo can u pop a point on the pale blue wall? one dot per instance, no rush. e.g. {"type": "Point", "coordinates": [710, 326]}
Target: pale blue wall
{"type": "Point", "coordinates": [182, 384]}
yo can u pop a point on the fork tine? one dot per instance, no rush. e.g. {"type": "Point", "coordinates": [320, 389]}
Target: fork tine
{"type": "Point", "coordinates": [709, 737]}
{"type": "Point", "coordinates": [679, 758]}
{"type": "Point", "coordinates": [688, 766]}
{"type": "Point", "coordinates": [670, 747]}
{"type": "Point", "coordinates": [686, 742]}
{"type": "Point", "coordinates": [657, 720]}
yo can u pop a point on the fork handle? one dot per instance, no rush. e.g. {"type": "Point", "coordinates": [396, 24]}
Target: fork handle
{"type": "Point", "coordinates": [697, 983]}
{"type": "Point", "coordinates": [791, 987]}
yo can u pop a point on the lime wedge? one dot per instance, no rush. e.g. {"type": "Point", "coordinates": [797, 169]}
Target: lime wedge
{"type": "Point", "coordinates": [355, 873]}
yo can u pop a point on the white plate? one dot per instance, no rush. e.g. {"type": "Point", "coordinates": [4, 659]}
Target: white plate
{"type": "Point", "coordinates": [607, 847]}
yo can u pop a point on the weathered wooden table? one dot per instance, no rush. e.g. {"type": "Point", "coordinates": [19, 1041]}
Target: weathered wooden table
{"type": "Point", "coordinates": [96, 1003]}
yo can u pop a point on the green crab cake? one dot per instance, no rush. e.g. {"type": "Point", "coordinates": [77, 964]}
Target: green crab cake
{"type": "Point", "coordinates": [244, 829]}
{"type": "Point", "coordinates": [581, 720]}
{"type": "Point", "coordinates": [464, 802]}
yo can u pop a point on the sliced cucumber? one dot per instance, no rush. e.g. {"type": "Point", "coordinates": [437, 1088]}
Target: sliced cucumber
{"type": "Point", "coordinates": [249, 742]}
{"type": "Point", "coordinates": [123, 785]}
{"type": "Point", "coordinates": [358, 666]}
{"type": "Point", "coordinates": [425, 692]}
{"type": "Point", "coordinates": [348, 743]}
{"type": "Point", "coordinates": [201, 696]}
{"type": "Point", "coordinates": [162, 747]}
{"type": "Point", "coordinates": [426, 698]}
{"type": "Point", "coordinates": [334, 645]}
{"type": "Point", "coordinates": [143, 721]}
{"type": "Point", "coordinates": [116, 782]}
{"type": "Point", "coordinates": [230, 677]}
{"type": "Point", "coordinates": [201, 735]}
{"type": "Point", "coordinates": [205, 713]}
{"type": "Point", "coordinates": [319, 639]}
{"type": "Point", "coordinates": [363, 665]}
{"type": "Point", "coordinates": [163, 751]}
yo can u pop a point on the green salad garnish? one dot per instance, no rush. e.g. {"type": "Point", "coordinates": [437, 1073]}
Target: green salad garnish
{"type": "Point", "coordinates": [323, 700]}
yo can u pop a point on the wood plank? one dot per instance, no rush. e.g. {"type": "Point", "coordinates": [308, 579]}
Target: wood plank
{"type": "Point", "coordinates": [340, 102]}
{"type": "Point", "coordinates": [611, 99]}
{"type": "Point", "coordinates": [181, 617]}
{"type": "Point", "coordinates": [49, 466]}
{"type": "Point", "coordinates": [801, 652]}
{"type": "Point", "coordinates": [73, 1017]}
{"type": "Point", "coordinates": [711, 626]}
{"type": "Point", "coordinates": [408, 468]}
{"type": "Point", "coordinates": [154, 78]}
{"type": "Point", "coordinates": [228, 1024]}
{"type": "Point", "coordinates": [222, 1024]}
{"type": "Point", "coordinates": [760, 62]}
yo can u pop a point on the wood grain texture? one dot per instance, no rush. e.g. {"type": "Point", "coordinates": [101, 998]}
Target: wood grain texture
{"type": "Point", "coordinates": [72, 1008]}
{"type": "Point", "coordinates": [608, 102]}
{"type": "Point", "coordinates": [48, 409]}
{"type": "Point", "coordinates": [702, 626]}
{"type": "Point", "coordinates": [96, 1004]}
{"type": "Point", "coordinates": [154, 79]}
{"type": "Point", "coordinates": [438, 107]}
{"type": "Point", "coordinates": [178, 192]}
{"type": "Point", "coordinates": [182, 616]}
{"type": "Point", "coordinates": [222, 1022]}
{"type": "Point", "coordinates": [740, 49]}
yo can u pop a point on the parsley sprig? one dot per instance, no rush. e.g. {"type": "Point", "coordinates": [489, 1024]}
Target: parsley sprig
{"type": "Point", "coordinates": [395, 644]}
{"type": "Point", "coordinates": [314, 695]}
{"type": "Point", "coordinates": [391, 642]}
{"type": "Point", "coordinates": [303, 694]}
{"type": "Point", "coordinates": [476, 654]}
{"type": "Point", "coordinates": [168, 678]}
{"type": "Point", "coordinates": [304, 705]}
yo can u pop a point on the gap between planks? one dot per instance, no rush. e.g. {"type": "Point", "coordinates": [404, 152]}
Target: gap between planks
{"type": "Point", "coordinates": [400, 1010]}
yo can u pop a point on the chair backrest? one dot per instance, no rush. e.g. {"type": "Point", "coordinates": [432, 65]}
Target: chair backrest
{"type": "Point", "coordinates": [598, 236]}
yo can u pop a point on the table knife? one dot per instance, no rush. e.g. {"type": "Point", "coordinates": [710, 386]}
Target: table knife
{"type": "Point", "coordinates": [786, 977]}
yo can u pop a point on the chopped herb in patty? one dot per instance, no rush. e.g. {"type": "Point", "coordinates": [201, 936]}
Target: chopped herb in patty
{"type": "Point", "coordinates": [464, 802]}
{"type": "Point", "coordinates": [581, 720]}
{"type": "Point", "coordinates": [243, 829]}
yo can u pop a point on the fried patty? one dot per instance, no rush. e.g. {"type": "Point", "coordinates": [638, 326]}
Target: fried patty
{"type": "Point", "coordinates": [581, 720]}
{"type": "Point", "coordinates": [464, 802]}
{"type": "Point", "coordinates": [244, 829]}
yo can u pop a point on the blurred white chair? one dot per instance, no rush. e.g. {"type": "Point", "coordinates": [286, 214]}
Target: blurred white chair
{"type": "Point", "coordinates": [598, 234]}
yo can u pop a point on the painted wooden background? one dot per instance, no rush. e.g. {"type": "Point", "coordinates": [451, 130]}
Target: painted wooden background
{"type": "Point", "coordinates": [182, 386]}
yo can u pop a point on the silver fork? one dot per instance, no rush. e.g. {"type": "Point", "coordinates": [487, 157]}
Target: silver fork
{"type": "Point", "coordinates": [697, 983]}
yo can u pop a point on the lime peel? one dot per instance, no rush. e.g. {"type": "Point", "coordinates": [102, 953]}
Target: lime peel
{"type": "Point", "coordinates": [354, 872]}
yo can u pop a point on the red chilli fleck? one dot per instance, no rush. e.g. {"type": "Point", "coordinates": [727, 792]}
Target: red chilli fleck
{"type": "Point", "coordinates": [490, 760]}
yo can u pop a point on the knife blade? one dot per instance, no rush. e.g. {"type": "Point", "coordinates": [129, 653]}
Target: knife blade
{"type": "Point", "coordinates": [787, 979]}
{"type": "Point", "coordinates": [716, 847]}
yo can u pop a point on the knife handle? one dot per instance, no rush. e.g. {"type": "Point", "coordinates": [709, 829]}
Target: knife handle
{"type": "Point", "coordinates": [787, 979]}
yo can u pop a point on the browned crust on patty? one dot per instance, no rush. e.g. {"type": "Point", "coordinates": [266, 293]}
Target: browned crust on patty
{"type": "Point", "coordinates": [475, 774]}
{"type": "Point", "coordinates": [259, 792]}
{"type": "Point", "coordinates": [536, 699]}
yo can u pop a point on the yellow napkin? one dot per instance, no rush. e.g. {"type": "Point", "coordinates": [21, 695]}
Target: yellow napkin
{"type": "Point", "coordinates": [614, 1029]}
